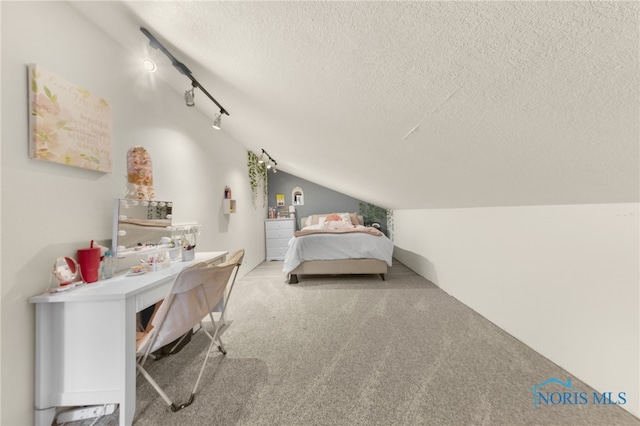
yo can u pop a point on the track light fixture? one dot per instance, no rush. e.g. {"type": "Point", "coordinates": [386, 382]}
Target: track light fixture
{"type": "Point", "coordinates": [189, 96]}
{"type": "Point", "coordinates": [271, 163]}
{"type": "Point", "coordinates": [182, 69]}
{"type": "Point", "coordinates": [149, 65]}
{"type": "Point", "coordinates": [216, 121]}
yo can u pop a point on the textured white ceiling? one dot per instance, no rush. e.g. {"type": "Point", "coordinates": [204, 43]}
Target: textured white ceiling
{"type": "Point", "coordinates": [416, 104]}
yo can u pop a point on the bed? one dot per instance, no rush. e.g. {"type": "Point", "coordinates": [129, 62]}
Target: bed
{"type": "Point", "coordinates": [336, 244]}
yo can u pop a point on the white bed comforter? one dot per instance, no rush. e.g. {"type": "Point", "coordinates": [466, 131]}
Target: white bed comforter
{"type": "Point", "coordinates": [337, 246]}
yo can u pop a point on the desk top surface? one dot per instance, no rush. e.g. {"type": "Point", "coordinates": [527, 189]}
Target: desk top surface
{"type": "Point", "coordinates": [122, 285]}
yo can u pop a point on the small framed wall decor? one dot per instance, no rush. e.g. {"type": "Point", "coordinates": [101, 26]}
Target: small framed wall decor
{"type": "Point", "coordinates": [297, 195]}
{"type": "Point", "coordinates": [67, 124]}
{"type": "Point", "coordinates": [280, 200]}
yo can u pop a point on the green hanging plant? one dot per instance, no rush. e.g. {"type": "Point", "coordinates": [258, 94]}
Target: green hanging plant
{"type": "Point", "coordinates": [257, 177]}
{"type": "Point", "coordinates": [372, 213]}
{"type": "Point", "coordinates": [390, 224]}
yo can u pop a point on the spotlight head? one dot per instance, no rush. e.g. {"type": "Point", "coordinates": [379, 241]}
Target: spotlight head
{"type": "Point", "coordinates": [269, 165]}
{"type": "Point", "coordinates": [216, 121]}
{"type": "Point", "coordinates": [261, 159]}
{"type": "Point", "coordinates": [149, 65]}
{"type": "Point", "coordinates": [189, 95]}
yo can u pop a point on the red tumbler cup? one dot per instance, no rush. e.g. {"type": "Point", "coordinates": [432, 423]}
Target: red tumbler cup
{"type": "Point", "coordinates": [89, 260]}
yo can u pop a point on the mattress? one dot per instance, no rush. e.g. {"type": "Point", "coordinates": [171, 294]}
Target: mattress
{"type": "Point", "coordinates": [337, 247]}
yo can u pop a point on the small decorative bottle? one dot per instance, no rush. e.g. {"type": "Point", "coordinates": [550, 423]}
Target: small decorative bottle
{"type": "Point", "coordinates": [108, 265]}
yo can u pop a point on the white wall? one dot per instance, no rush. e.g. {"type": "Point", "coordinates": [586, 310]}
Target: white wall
{"type": "Point", "coordinates": [562, 279]}
{"type": "Point", "coordinates": [50, 210]}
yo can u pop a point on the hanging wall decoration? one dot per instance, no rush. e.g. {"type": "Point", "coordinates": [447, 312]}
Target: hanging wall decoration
{"type": "Point", "coordinates": [67, 124]}
{"type": "Point", "coordinates": [297, 195]}
{"type": "Point", "coordinates": [139, 174]}
{"type": "Point", "coordinates": [257, 178]}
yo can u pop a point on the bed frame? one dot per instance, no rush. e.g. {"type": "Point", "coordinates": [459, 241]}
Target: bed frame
{"type": "Point", "coordinates": [339, 267]}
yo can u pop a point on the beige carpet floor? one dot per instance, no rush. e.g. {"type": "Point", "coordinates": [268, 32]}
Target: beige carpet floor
{"type": "Point", "coordinates": [355, 350]}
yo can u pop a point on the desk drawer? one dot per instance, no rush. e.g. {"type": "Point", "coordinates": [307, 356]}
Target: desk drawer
{"type": "Point", "coordinates": [148, 298]}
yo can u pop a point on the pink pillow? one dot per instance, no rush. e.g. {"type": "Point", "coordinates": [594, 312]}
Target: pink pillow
{"type": "Point", "coordinates": [333, 217]}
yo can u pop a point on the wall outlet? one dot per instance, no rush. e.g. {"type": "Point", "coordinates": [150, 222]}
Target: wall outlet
{"type": "Point", "coordinates": [81, 413]}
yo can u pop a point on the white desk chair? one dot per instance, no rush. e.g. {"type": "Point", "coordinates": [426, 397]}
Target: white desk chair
{"type": "Point", "coordinates": [235, 258]}
{"type": "Point", "coordinates": [196, 291]}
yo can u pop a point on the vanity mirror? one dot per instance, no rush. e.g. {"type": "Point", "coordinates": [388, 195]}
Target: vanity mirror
{"type": "Point", "coordinates": [67, 275]}
{"type": "Point", "coordinates": [140, 223]}
{"type": "Point", "coordinates": [66, 270]}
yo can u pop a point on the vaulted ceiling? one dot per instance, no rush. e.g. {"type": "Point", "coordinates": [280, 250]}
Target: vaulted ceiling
{"type": "Point", "coordinates": [415, 104]}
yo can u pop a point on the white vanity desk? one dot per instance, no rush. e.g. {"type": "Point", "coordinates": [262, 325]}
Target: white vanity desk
{"type": "Point", "coordinates": [86, 340]}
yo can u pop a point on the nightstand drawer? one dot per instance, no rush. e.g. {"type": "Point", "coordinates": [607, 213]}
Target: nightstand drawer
{"type": "Point", "coordinates": [279, 233]}
{"type": "Point", "coordinates": [279, 224]}
{"type": "Point", "coordinates": [276, 253]}
{"type": "Point", "coordinates": [278, 243]}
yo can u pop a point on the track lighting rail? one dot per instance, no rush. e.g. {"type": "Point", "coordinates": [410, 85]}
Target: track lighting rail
{"type": "Point", "coordinates": [182, 68]}
{"type": "Point", "coordinates": [271, 164]}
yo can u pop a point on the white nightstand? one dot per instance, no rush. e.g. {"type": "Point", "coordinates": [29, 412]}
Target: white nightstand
{"type": "Point", "coordinates": [278, 232]}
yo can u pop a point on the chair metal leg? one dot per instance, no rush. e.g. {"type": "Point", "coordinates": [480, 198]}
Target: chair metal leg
{"type": "Point", "coordinates": [221, 347]}
{"type": "Point", "coordinates": [175, 407]}
{"type": "Point", "coordinates": [217, 326]}
{"type": "Point", "coordinates": [155, 385]}
{"type": "Point", "coordinates": [206, 358]}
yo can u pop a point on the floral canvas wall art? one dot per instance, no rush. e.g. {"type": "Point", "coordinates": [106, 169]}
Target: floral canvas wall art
{"type": "Point", "coordinates": [68, 124]}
